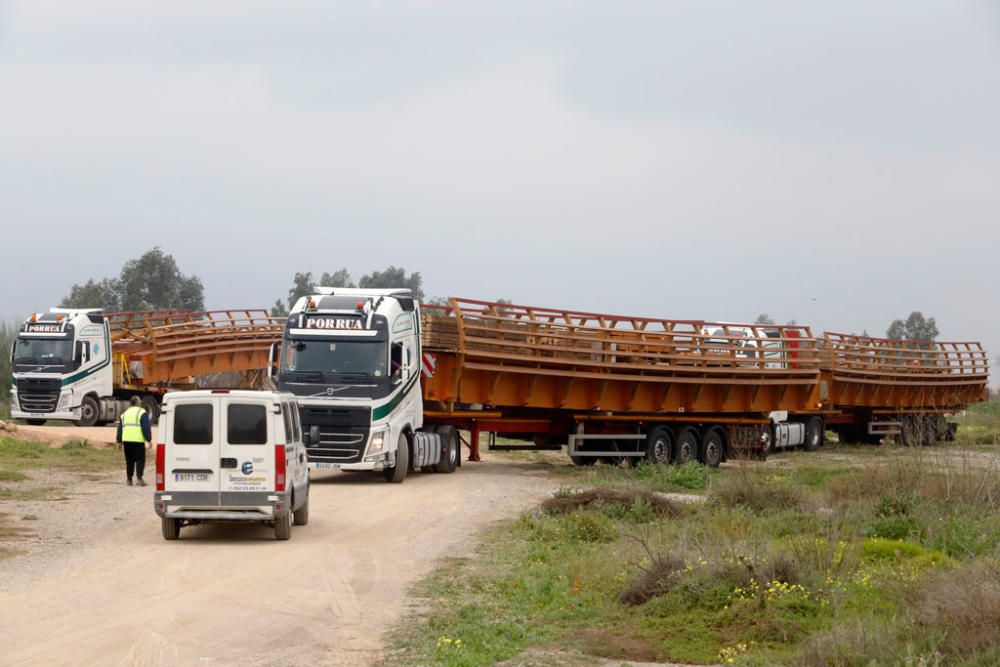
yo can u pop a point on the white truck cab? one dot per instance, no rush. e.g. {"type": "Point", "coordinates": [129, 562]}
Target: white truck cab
{"type": "Point", "coordinates": [225, 455]}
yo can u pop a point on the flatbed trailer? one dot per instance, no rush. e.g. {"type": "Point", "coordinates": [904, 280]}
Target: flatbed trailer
{"type": "Point", "coordinates": [621, 388]}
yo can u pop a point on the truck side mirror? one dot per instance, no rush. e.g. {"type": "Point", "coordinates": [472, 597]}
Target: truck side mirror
{"type": "Point", "coordinates": [311, 437]}
{"type": "Point", "coordinates": [272, 361]}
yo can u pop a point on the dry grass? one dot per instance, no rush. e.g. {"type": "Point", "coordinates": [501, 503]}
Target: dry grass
{"type": "Point", "coordinates": [600, 498]}
{"type": "Point", "coordinates": [963, 607]}
{"type": "Point", "coordinates": [750, 487]}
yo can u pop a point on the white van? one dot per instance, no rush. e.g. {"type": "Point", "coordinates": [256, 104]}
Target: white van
{"type": "Point", "coordinates": [226, 455]}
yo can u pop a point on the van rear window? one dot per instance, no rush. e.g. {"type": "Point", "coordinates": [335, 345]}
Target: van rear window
{"type": "Point", "coordinates": [193, 424]}
{"type": "Point", "coordinates": [247, 424]}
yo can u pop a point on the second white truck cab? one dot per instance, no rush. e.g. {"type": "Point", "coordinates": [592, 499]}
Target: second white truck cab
{"type": "Point", "coordinates": [225, 455]}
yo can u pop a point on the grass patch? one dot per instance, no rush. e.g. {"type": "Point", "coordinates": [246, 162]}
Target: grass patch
{"type": "Point", "coordinates": [810, 562]}
{"type": "Point", "coordinates": [12, 476]}
{"type": "Point", "coordinates": [17, 456]}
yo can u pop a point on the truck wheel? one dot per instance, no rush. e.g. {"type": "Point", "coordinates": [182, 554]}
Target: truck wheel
{"type": "Point", "coordinates": [89, 412]}
{"type": "Point", "coordinates": [766, 443]}
{"type": "Point", "coordinates": [283, 526]}
{"type": "Point", "coordinates": [397, 474]}
{"type": "Point", "coordinates": [659, 446]}
{"type": "Point", "coordinates": [301, 515]}
{"type": "Point", "coordinates": [687, 446]}
{"type": "Point", "coordinates": [36, 422]}
{"type": "Point", "coordinates": [171, 528]}
{"type": "Point", "coordinates": [152, 408]}
{"type": "Point", "coordinates": [712, 448]}
{"type": "Point", "coordinates": [814, 434]}
{"type": "Point", "coordinates": [449, 449]}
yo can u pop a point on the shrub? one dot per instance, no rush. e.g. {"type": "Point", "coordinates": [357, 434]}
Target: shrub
{"type": "Point", "coordinates": [963, 607]}
{"type": "Point", "coordinates": [893, 528]}
{"type": "Point", "coordinates": [757, 492]}
{"type": "Point", "coordinates": [589, 527]}
{"type": "Point", "coordinates": [877, 550]}
{"type": "Point", "coordinates": [619, 503]}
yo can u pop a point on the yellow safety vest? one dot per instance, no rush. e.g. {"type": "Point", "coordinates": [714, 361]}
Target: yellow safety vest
{"type": "Point", "coordinates": [132, 424]}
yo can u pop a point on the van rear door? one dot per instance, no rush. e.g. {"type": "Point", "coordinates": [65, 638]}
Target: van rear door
{"type": "Point", "coordinates": [192, 449]}
{"type": "Point", "coordinates": [247, 446]}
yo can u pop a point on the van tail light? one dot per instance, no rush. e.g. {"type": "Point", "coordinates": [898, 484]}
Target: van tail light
{"type": "Point", "coordinates": [161, 464]}
{"type": "Point", "coordinates": [279, 467]}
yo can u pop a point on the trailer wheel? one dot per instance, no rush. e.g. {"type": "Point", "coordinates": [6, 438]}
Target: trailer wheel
{"type": "Point", "coordinates": [450, 450]}
{"type": "Point", "coordinates": [88, 412]}
{"type": "Point", "coordinates": [583, 460]}
{"type": "Point", "coordinates": [687, 446]}
{"type": "Point", "coordinates": [712, 448]}
{"type": "Point", "coordinates": [283, 526]}
{"type": "Point", "coordinates": [397, 474]}
{"type": "Point", "coordinates": [659, 446]}
{"type": "Point", "coordinates": [171, 528]}
{"type": "Point", "coordinates": [814, 434]}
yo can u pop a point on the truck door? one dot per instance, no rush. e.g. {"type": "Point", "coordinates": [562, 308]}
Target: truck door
{"type": "Point", "coordinates": [247, 447]}
{"type": "Point", "coordinates": [192, 449]}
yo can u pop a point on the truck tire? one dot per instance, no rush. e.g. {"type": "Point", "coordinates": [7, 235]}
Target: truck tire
{"type": "Point", "coordinates": [89, 412]}
{"type": "Point", "coordinates": [171, 528]}
{"type": "Point", "coordinates": [397, 473]}
{"type": "Point", "coordinates": [36, 422]}
{"type": "Point", "coordinates": [583, 460]}
{"type": "Point", "coordinates": [814, 434]}
{"type": "Point", "coordinates": [450, 450]}
{"type": "Point", "coordinates": [152, 408]}
{"type": "Point", "coordinates": [687, 446]}
{"type": "Point", "coordinates": [659, 446]}
{"type": "Point", "coordinates": [713, 448]}
{"type": "Point", "coordinates": [283, 526]}
{"type": "Point", "coordinates": [301, 515]}
{"type": "Point", "coordinates": [766, 443]}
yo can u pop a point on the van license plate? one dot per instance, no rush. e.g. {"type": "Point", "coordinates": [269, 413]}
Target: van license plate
{"type": "Point", "coordinates": [327, 465]}
{"type": "Point", "coordinates": [191, 476]}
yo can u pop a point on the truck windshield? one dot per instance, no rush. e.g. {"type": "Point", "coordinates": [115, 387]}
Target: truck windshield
{"type": "Point", "coordinates": [35, 352]}
{"type": "Point", "coordinates": [324, 356]}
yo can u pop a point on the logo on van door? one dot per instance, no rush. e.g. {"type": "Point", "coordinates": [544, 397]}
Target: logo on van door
{"type": "Point", "coordinates": [247, 467]}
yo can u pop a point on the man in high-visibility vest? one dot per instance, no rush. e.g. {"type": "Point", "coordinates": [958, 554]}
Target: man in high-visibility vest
{"type": "Point", "coordinates": [134, 434]}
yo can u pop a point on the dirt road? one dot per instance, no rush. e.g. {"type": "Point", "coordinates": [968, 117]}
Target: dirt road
{"type": "Point", "coordinates": [231, 595]}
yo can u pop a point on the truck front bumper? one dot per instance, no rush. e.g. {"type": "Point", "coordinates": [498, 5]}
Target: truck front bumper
{"type": "Point", "coordinates": [222, 506]}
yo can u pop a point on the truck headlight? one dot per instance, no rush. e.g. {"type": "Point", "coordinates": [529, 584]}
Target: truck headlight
{"type": "Point", "coordinates": [63, 401]}
{"type": "Point", "coordinates": [13, 400]}
{"type": "Point", "coordinates": [377, 443]}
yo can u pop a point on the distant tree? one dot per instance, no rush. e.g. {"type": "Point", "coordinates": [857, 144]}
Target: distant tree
{"type": "Point", "coordinates": [763, 318]}
{"type": "Point", "coordinates": [150, 282]}
{"type": "Point", "coordinates": [914, 327]}
{"type": "Point", "coordinates": [394, 277]}
{"type": "Point", "coordinates": [105, 294]}
{"type": "Point", "coordinates": [791, 323]}
{"type": "Point", "coordinates": [438, 301]}
{"type": "Point", "coordinates": [279, 309]}
{"type": "Point", "coordinates": [302, 285]}
{"type": "Point", "coordinates": [339, 278]}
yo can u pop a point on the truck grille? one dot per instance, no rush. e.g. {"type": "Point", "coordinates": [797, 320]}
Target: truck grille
{"type": "Point", "coordinates": [343, 432]}
{"type": "Point", "coordinates": [38, 394]}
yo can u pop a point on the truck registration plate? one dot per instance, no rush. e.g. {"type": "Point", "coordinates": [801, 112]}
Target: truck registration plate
{"type": "Point", "coordinates": [327, 465]}
{"type": "Point", "coordinates": [191, 476]}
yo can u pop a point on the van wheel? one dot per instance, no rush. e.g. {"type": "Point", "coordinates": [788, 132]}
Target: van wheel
{"type": "Point", "coordinates": [712, 448]}
{"type": "Point", "coordinates": [283, 526]}
{"type": "Point", "coordinates": [397, 474]}
{"type": "Point", "coordinates": [814, 434]}
{"type": "Point", "coordinates": [687, 446]}
{"type": "Point", "coordinates": [449, 449]}
{"type": "Point", "coordinates": [659, 444]}
{"type": "Point", "coordinates": [171, 528]}
{"type": "Point", "coordinates": [301, 517]}
{"type": "Point", "coordinates": [88, 412]}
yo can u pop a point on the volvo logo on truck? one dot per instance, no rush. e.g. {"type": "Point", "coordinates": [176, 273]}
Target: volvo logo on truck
{"type": "Point", "coordinates": [334, 323]}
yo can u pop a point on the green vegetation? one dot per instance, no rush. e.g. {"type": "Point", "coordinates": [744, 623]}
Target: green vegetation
{"type": "Point", "coordinates": [980, 425]}
{"type": "Point", "coordinates": [811, 561]}
{"type": "Point", "coordinates": [20, 458]}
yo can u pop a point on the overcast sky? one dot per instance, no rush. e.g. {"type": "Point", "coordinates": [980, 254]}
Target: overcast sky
{"type": "Point", "coordinates": [833, 162]}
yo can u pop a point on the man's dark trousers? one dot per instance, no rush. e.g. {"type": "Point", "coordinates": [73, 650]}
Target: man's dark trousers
{"type": "Point", "coordinates": [135, 458]}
